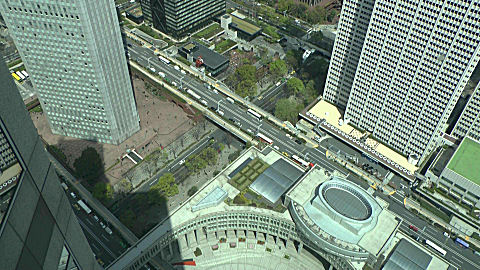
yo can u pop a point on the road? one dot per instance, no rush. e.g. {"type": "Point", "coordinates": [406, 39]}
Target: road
{"type": "Point", "coordinates": [215, 101]}
{"type": "Point", "coordinates": [269, 98]}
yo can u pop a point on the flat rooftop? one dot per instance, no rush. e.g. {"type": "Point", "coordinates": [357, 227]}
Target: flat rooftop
{"type": "Point", "coordinates": [245, 26]}
{"type": "Point", "coordinates": [210, 58]}
{"type": "Point", "coordinates": [348, 133]}
{"type": "Point", "coordinates": [465, 160]}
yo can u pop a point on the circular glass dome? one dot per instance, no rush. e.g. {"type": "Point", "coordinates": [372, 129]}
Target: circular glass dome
{"type": "Point", "coordinates": [347, 201]}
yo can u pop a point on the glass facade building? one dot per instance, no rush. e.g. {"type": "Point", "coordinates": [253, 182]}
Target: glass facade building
{"type": "Point", "coordinates": [38, 229]}
{"type": "Point", "coordinates": [74, 54]}
{"type": "Point", "coordinates": [178, 17]}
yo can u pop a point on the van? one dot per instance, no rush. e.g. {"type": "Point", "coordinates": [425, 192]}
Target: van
{"type": "Point", "coordinates": [229, 99]}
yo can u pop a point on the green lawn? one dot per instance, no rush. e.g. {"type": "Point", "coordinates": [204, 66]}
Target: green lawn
{"type": "Point", "coordinates": [224, 45]}
{"type": "Point", "coordinates": [465, 160]}
{"type": "Point", "coordinates": [209, 31]}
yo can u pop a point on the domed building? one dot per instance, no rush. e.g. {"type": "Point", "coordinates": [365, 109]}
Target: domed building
{"type": "Point", "coordinates": [335, 216]}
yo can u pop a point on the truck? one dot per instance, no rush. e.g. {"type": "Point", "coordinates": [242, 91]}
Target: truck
{"type": "Point", "coordinates": [84, 206]}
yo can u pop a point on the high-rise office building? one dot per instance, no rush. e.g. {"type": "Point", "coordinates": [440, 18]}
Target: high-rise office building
{"type": "Point", "coordinates": [415, 61]}
{"type": "Point", "coordinates": [38, 229]}
{"type": "Point", "coordinates": [74, 54]}
{"type": "Point", "coordinates": [352, 29]}
{"type": "Point", "coordinates": [469, 122]}
{"type": "Point", "coordinates": [179, 17]}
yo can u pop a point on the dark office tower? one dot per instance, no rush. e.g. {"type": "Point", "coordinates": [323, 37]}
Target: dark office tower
{"type": "Point", "coordinates": [38, 229]}
{"type": "Point", "coordinates": [177, 18]}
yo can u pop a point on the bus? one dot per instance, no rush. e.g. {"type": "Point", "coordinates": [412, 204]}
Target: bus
{"type": "Point", "coordinates": [435, 247]}
{"type": "Point", "coordinates": [84, 207]}
{"type": "Point", "coordinates": [15, 76]}
{"type": "Point", "coordinates": [19, 74]}
{"type": "Point", "coordinates": [24, 73]}
{"type": "Point", "coordinates": [255, 114]}
{"type": "Point", "coordinates": [193, 94]}
{"type": "Point", "coordinates": [461, 242]}
{"type": "Point", "coordinates": [302, 162]}
{"type": "Point", "coordinates": [264, 138]}
{"type": "Point", "coordinates": [163, 59]}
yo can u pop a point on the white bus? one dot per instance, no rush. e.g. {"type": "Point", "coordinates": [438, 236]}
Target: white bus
{"type": "Point", "coordinates": [302, 162]}
{"type": "Point", "coordinates": [264, 138]}
{"type": "Point", "coordinates": [19, 74]}
{"type": "Point", "coordinates": [255, 114]}
{"type": "Point", "coordinates": [435, 247]}
{"type": "Point", "coordinates": [84, 206]}
{"type": "Point", "coordinates": [163, 59]}
{"type": "Point", "coordinates": [25, 73]}
{"type": "Point", "coordinates": [193, 94]}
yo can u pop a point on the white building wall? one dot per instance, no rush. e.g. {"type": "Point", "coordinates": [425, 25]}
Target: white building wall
{"type": "Point", "coordinates": [469, 121]}
{"type": "Point", "coordinates": [352, 28]}
{"type": "Point", "coordinates": [415, 62]}
{"type": "Point", "coordinates": [75, 57]}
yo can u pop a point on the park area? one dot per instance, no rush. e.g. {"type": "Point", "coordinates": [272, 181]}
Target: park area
{"type": "Point", "coordinates": [162, 120]}
{"type": "Point", "coordinates": [208, 32]}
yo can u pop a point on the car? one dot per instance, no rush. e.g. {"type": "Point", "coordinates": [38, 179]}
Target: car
{"type": "Point", "coordinates": [221, 113]}
{"type": "Point", "coordinates": [73, 195]}
{"type": "Point", "coordinates": [152, 69]}
{"type": "Point", "coordinates": [250, 131]}
{"type": "Point", "coordinates": [415, 229]}
{"type": "Point", "coordinates": [108, 230]}
{"type": "Point", "coordinates": [276, 148]}
{"type": "Point", "coordinates": [285, 154]}
{"type": "Point", "coordinates": [181, 161]}
{"type": "Point", "coordinates": [76, 206]}
{"type": "Point", "coordinates": [215, 91]}
{"type": "Point", "coordinates": [176, 67]}
{"type": "Point", "coordinates": [446, 234]}
{"type": "Point", "coordinates": [289, 136]}
{"type": "Point", "coordinates": [238, 124]}
{"type": "Point", "coordinates": [213, 108]}
{"type": "Point", "coordinates": [103, 225]}
{"type": "Point", "coordinates": [298, 141]}
{"type": "Point", "coordinates": [183, 72]}
{"type": "Point", "coordinates": [96, 218]}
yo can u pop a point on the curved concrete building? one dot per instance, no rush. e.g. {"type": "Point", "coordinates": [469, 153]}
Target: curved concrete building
{"type": "Point", "coordinates": [323, 216]}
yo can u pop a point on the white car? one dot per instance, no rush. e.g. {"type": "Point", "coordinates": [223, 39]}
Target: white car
{"type": "Point", "coordinates": [73, 195]}
{"type": "Point", "coordinates": [174, 84]}
{"type": "Point", "coordinates": [215, 91]}
{"type": "Point", "coordinates": [446, 234]}
{"type": "Point", "coordinates": [182, 162]}
{"type": "Point", "coordinates": [204, 102]}
{"type": "Point", "coordinates": [152, 69]}
{"type": "Point", "coordinates": [276, 148]}
{"type": "Point", "coordinates": [103, 225]}
{"type": "Point", "coordinates": [176, 67]}
{"type": "Point", "coordinates": [96, 218]}
{"type": "Point", "coordinates": [221, 113]}
{"type": "Point", "coordinates": [183, 72]}
{"type": "Point", "coordinates": [250, 131]}
{"type": "Point", "coordinates": [289, 136]}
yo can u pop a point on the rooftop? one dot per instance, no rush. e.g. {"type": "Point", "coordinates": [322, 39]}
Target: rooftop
{"type": "Point", "coordinates": [408, 257]}
{"type": "Point", "coordinates": [245, 26]}
{"type": "Point", "coordinates": [442, 161]}
{"type": "Point", "coordinates": [387, 156]}
{"type": "Point", "coordinates": [210, 58]}
{"type": "Point", "coordinates": [465, 160]}
{"type": "Point", "coordinates": [347, 201]}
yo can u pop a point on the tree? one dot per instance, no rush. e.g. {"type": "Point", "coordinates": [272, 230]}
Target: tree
{"type": "Point", "coordinates": [192, 191]}
{"type": "Point", "coordinates": [278, 68]}
{"type": "Point", "coordinates": [288, 110]}
{"type": "Point", "coordinates": [166, 185]}
{"type": "Point", "coordinates": [89, 165]}
{"type": "Point", "coordinates": [246, 88]}
{"type": "Point", "coordinates": [316, 38]}
{"type": "Point", "coordinates": [331, 15]}
{"type": "Point", "coordinates": [246, 72]}
{"type": "Point", "coordinates": [293, 58]}
{"type": "Point", "coordinates": [128, 218]}
{"type": "Point", "coordinates": [124, 186]}
{"type": "Point", "coordinates": [310, 92]}
{"type": "Point", "coordinates": [295, 86]}
{"type": "Point", "coordinates": [103, 191]}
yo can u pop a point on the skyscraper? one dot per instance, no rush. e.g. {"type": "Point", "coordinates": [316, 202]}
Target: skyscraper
{"type": "Point", "coordinates": [352, 29]}
{"type": "Point", "coordinates": [75, 57]}
{"type": "Point", "coordinates": [178, 17]}
{"type": "Point", "coordinates": [469, 122]}
{"type": "Point", "coordinates": [415, 61]}
{"type": "Point", "coordinates": [38, 229]}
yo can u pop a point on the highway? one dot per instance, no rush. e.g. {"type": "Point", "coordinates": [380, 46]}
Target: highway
{"type": "Point", "coordinates": [464, 259]}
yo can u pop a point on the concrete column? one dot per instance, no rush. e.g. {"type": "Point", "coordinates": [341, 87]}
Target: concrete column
{"type": "Point", "coordinates": [300, 247]}
{"type": "Point", "coordinates": [170, 248]}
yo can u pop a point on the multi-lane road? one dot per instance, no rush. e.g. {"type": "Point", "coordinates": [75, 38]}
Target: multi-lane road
{"type": "Point", "coordinates": [464, 259]}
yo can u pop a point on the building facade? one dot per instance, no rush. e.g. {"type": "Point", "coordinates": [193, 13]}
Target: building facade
{"type": "Point", "coordinates": [38, 229]}
{"type": "Point", "coordinates": [416, 60]}
{"type": "Point", "coordinates": [352, 28]}
{"type": "Point", "coordinates": [74, 54]}
{"type": "Point", "coordinates": [469, 122]}
{"type": "Point", "coordinates": [177, 18]}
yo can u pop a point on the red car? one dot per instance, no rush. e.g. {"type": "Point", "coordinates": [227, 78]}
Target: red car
{"type": "Point", "coordinates": [413, 228]}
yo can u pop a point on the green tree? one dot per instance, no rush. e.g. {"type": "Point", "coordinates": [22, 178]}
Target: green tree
{"type": "Point", "coordinates": [310, 92]}
{"type": "Point", "coordinates": [124, 186]}
{"type": "Point", "coordinates": [288, 110]}
{"type": "Point", "coordinates": [103, 191]}
{"type": "Point", "coordinates": [246, 88]}
{"type": "Point", "coordinates": [271, 31]}
{"type": "Point", "coordinates": [331, 15]}
{"type": "Point", "coordinates": [293, 59]}
{"type": "Point", "coordinates": [192, 191]}
{"type": "Point", "coordinates": [278, 68]}
{"type": "Point", "coordinates": [295, 86]}
{"type": "Point", "coordinates": [316, 38]}
{"type": "Point", "coordinates": [166, 185]}
{"type": "Point", "coordinates": [246, 72]}
{"type": "Point", "coordinates": [155, 197]}
{"type": "Point", "coordinates": [89, 165]}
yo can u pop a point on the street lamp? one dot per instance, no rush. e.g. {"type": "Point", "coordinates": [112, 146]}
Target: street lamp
{"type": "Point", "coordinates": [218, 104]}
